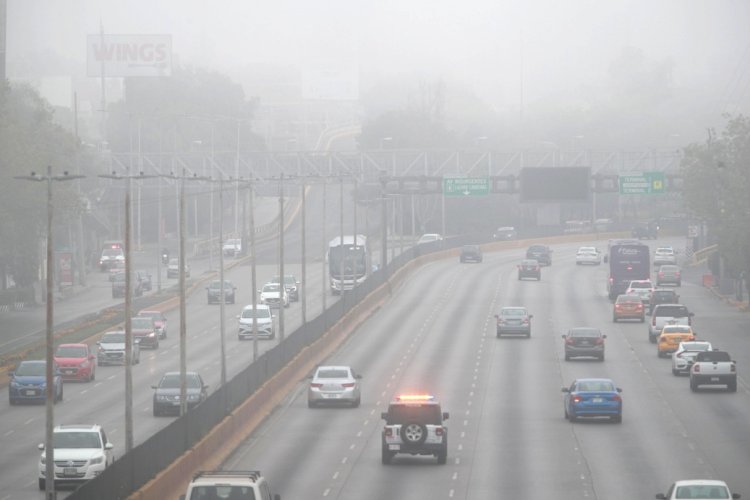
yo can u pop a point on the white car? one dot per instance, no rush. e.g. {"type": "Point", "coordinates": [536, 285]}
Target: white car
{"type": "Point", "coordinates": [273, 295]}
{"type": "Point", "coordinates": [334, 384]}
{"type": "Point", "coordinates": [263, 320]}
{"type": "Point", "coordinates": [81, 452]}
{"type": "Point", "coordinates": [111, 349]}
{"type": "Point", "coordinates": [709, 489]}
{"type": "Point", "coordinates": [664, 255]}
{"type": "Point", "coordinates": [232, 247]}
{"type": "Point", "coordinates": [173, 269]}
{"type": "Point", "coordinates": [642, 288]}
{"type": "Point", "coordinates": [683, 357]}
{"type": "Point", "coordinates": [588, 255]}
{"type": "Point", "coordinates": [429, 238]}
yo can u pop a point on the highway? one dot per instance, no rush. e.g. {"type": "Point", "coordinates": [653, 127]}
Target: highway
{"type": "Point", "coordinates": [507, 435]}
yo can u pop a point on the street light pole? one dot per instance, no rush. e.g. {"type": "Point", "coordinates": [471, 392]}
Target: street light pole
{"type": "Point", "coordinates": [253, 276]}
{"type": "Point", "coordinates": [303, 284]}
{"type": "Point", "coordinates": [49, 463]}
{"type": "Point", "coordinates": [282, 285]}
{"type": "Point", "coordinates": [222, 308]}
{"type": "Point", "coordinates": [326, 277]}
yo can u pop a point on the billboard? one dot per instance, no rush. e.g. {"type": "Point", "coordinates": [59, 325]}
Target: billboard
{"type": "Point", "coordinates": [129, 55]}
{"type": "Point", "coordinates": [555, 184]}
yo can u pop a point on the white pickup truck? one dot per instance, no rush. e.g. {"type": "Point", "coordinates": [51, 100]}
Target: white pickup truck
{"type": "Point", "coordinates": [713, 368]}
{"type": "Point", "coordinates": [667, 314]}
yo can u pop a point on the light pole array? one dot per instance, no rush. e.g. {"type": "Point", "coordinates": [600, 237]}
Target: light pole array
{"type": "Point", "coordinates": [49, 463]}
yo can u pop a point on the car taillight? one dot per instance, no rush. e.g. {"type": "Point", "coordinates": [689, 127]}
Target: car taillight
{"type": "Point", "coordinates": [389, 432]}
{"type": "Point", "coordinates": [316, 386]}
{"type": "Point", "coordinates": [526, 321]}
{"type": "Point", "coordinates": [616, 397]}
{"type": "Point", "coordinates": [661, 274]}
{"type": "Point", "coordinates": [348, 385]}
{"type": "Point", "coordinates": [439, 431]}
{"type": "Point", "coordinates": [576, 399]}
{"type": "Point", "coordinates": [599, 341]}
{"type": "Point", "coordinates": [677, 274]}
{"type": "Point", "coordinates": [569, 341]}
{"type": "Point", "coordinates": [732, 368]}
{"type": "Point", "coordinates": [611, 280]}
{"type": "Point", "coordinates": [618, 306]}
{"type": "Point", "coordinates": [639, 306]}
{"type": "Point", "coordinates": [653, 321]}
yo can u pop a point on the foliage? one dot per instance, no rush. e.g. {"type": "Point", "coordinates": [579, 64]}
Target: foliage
{"type": "Point", "coordinates": [717, 189]}
{"type": "Point", "coordinates": [29, 141]}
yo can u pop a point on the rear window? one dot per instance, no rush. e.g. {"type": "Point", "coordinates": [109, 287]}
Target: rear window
{"type": "Point", "coordinates": [665, 295]}
{"type": "Point", "coordinates": [622, 299]}
{"type": "Point", "coordinates": [584, 332]}
{"type": "Point", "coordinates": [537, 248]}
{"type": "Point", "coordinates": [425, 414]}
{"type": "Point", "coordinates": [671, 311]}
{"type": "Point", "coordinates": [713, 356]}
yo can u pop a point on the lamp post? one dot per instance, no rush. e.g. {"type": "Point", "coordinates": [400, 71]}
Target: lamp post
{"type": "Point", "coordinates": [49, 463]}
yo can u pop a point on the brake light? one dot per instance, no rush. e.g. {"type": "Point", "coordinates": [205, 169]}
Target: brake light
{"type": "Point", "coordinates": [599, 341]}
{"type": "Point", "coordinates": [316, 385]}
{"type": "Point", "coordinates": [348, 385]}
{"type": "Point", "coordinates": [388, 432]}
{"type": "Point", "coordinates": [677, 274]}
{"type": "Point", "coordinates": [611, 280]}
{"type": "Point", "coordinates": [618, 306]}
{"type": "Point", "coordinates": [439, 431]}
{"type": "Point", "coordinates": [616, 397]}
{"type": "Point", "coordinates": [569, 341]}
{"type": "Point", "coordinates": [732, 368]}
{"type": "Point", "coordinates": [576, 399]}
{"type": "Point", "coordinates": [639, 306]}
{"type": "Point", "coordinates": [526, 321]}
{"type": "Point", "coordinates": [661, 274]}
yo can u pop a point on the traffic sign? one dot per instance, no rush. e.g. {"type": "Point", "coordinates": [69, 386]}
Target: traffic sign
{"type": "Point", "coordinates": [466, 186]}
{"type": "Point", "coordinates": [642, 183]}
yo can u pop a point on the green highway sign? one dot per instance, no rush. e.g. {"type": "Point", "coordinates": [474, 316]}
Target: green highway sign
{"type": "Point", "coordinates": [642, 183]}
{"type": "Point", "coordinates": [466, 186]}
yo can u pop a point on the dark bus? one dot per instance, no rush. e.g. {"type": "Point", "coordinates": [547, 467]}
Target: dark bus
{"type": "Point", "coordinates": [628, 260]}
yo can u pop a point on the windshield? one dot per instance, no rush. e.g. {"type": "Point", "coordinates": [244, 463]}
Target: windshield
{"type": "Point", "coordinates": [71, 352]}
{"type": "Point", "coordinates": [172, 381]}
{"type": "Point", "coordinates": [113, 338]}
{"type": "Point", "coordinates": [261, 313]}
{"type": "Point", "coordinates": [142, 323]}
{"type": "Point", "coordinates": [426, 414]}
{"type": "Point", "coordinates": [77, 439]}
{"type": "Point", "coordinates": [31, 369]}
{"type": "Point", "coordinates": [217, 285]}
{"type": "Point", "coordinates": [513, 312]}
{"type": "Point", "coordinates": [222, 492]}
{"type": "Point", "coordinates": [271, 287]}
{"type": "Point", "coordinates": [112, 252]}
{"type": "Point", "coordinates": [150, 314]}
{"type": "Point", "coordinates": [596, 386]}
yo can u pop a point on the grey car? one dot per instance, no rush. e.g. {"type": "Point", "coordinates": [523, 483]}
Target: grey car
{"type": "Point", "coordinates": [668, 274]}
{"type": "Point", "coordinates": [514, 320]}
{"type": "Point", "coordinates": [213, 292]}
{"type": "Point", "coordinates": [111, 349]}
{"type": "Point", "coordinates": [167, 392]}
{"type": "Point", "coordinates": [584, 342]}
{"type": "Point", "coordinates": [471, 253]}
{"type": "Point", "coordinates": [334, 385]}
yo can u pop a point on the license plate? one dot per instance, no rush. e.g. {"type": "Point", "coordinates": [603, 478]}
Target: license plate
{"type": "Point", "coordinates": [597, 400]}
{"type": "Point", "coordinates": [394, 447]}
{"type": "Point", "coordinates": [30, 392]}
{"type": "Point", "coordinates": [331, 396]}
{"type": "Point", "coordinates": [69, 372]}
{"type": "Point", "coordinates": [70, 472]}
{"type": "Point", "coordinates": [714, 379]}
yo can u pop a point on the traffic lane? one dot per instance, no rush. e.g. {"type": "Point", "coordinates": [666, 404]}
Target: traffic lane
{"type": "Point", "coordinates": [104, 397]}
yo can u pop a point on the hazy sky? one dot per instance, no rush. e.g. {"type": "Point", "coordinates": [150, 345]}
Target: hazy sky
{"type": "Point", "coordinates": [565, 43]}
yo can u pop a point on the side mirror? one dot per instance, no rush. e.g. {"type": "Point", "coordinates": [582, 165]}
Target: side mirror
{"type": "Point", "coordinates": [40, 446]}
{"type": "Point", "coordinates": [497, 317]}
{"type": "Point", "coordinates": [604, 336]}
{"type": "Point", "coordinates": [108, 446]}
{"type": "Point", "coordinates": [531, 316]}
{"type": "Point", "coordinates": [618, 389]}
{"type": "Point", "coordinates": [564, 389]}
{"type": "Point", "coordinates": [446, 415]}
{"type": "Point", "coordinates": [358, 376]}
{"type": "Point", "coordinates": [154, 387]}
{"type": "Point", "coordinates": [91, 357]}
{"type": "Point", "coordinates": [661, 496]}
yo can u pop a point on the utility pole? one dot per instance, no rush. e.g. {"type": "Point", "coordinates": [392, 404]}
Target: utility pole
{"type": "Point", "coordinates": [282, 284]}
{"type": "Point", "coordinates": [341, 253]}
{"type": "Point", "coordinates": [301, 291]}
{"type": "Point", "coordinates": [384, 223]}
{"type": "Point", "coordinates": [222, 309]}
{"type": "Point", "coordinates": [49, 469]}
{"type": "Point", "coordinates": [326, 277]}
{"type": "Point", "coordinates": [253, 276]}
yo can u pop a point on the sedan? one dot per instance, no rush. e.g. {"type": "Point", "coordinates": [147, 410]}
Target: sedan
{"type": "Point", "coordinates": [160, 321]}
{"type": "Point", "coordinates": [29, 383]}
{"type": "Point", "coordinates": [670, 338]}
{"type": "Point", "coordinates": [588, 255]}
{"type": "Point", "coordinates": [709, 489]}
{"type": "Point", "coordinates": [665, 255]}
{"type": "Point", "coordinates": [112, 349]}
{"type": "Point", "coordinates": [173, 269]}
{"type": "Point", "coordinates": [628, 306]}
{"type": "Point", "coordinates": [668, 274]}
{"type": "Point", "coordinates": [471, 253]}
{"type": "Point", "coordinates": [584, 342]}
{"type": "Point", "coordinates": [593, 397]}
{"type": "Point", "coordinates": [683, 357]}
{"type": "Point", "coordinates": [213, 292]}
{"type": "Point", "coordinates": [513, 320]}
{"type": "Point", "coordinates": [334, 384]}
{"type": "Point", "coordinates": [167, 392]}
{"type": "Point", "coordinates": [529, 268]}
{"type": "Point", "coordinates": [76, 362]}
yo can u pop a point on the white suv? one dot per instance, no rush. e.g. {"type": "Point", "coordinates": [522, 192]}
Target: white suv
{"type": "Point", "coordinates": [264, 320]}
{"type": "Point", "coordinates": [414, 426]}
{"type": "Point", "coordinates": [229, 484]}
{"type": "Point", "coordinates": [81, 452]}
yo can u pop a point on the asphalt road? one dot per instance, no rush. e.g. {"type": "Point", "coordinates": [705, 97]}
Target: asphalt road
{"type": "Point", "coordinates": [507, 435]}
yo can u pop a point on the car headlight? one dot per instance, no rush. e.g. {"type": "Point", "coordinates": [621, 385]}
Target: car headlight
{"type": "Point", "coordinates": [161, 397]}
{"type": "Point", "coordinates": [193, 397]}
{"type": "Point", "coordinates": [43, 460]}
{"type": "Point", "coordinates": [152, 334]}
{"type": "Point", "coordinates": [97, 460]}
{"type": "Point", "coordinates": [84, 363]}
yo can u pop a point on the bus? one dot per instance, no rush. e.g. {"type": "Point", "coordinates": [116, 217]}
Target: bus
{"type": "Point", "coordinates": [352, 258]}
{"type": "Point", "coordinates": [628, 261]}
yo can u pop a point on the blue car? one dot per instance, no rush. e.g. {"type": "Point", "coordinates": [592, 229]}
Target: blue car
{"type": "Point", "coordinates": [593, 397]}
{"type": "Point", "coordinates": [28, 382]}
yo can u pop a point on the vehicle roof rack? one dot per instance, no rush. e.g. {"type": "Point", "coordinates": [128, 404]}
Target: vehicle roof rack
{"type": "Point", "coordinates": [254, 475]}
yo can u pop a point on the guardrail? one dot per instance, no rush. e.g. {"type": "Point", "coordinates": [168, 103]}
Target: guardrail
{"type": "Point", "coordinates": [702, 255]}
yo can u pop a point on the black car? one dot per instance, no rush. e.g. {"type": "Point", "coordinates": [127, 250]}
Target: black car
{"type": "Point", "coordinates": [471, 253]}
{"type": "Point", "coordinates": [662, 296]}
{"type": "Point", "coordinates": [118, 285]}
{"type": "Point", "coordinates": [505, 233]}
{"type": "Point", "coordinates": [541, 254]}
{"type": "Point", "coordinates": [529, 268]}
{"type": "Point", "coordinates": [213, 292]}
{"type": "Point", "coordinates": [167, 392]}
{"type": "Point", "coordinates": [646, 230]}
{"type": "Point", "coordinates": [145, 278]}
{"type": "Point", "coordinates": [584, 342]}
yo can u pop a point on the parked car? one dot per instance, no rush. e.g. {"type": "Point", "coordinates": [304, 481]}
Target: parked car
{"type": "Point", "coordinates": [28, 383]}
{"type": "Point", "coordinates": [81, 453]}
{"type": "Point", "coordinates": [160, 321]}
{"type": "Point", "coordinates": [213, 292]}
{"type": "Point", "coordinates": [144, 330]}
{"type": "Point", "coordinates": [471, 253]}
{"type": "Point", "coordinates": [540, 253]}
{"type": "Point", "coordinates": [628, 306]}
{"type": "Point", "coordinates": [513, 320]}
{"type": "Point", "coordinates": [334, 385]}
{"type": "Point", "coordinates": [584, 342]}
{"type": "Point", "coordinates": [505, 233]}
{"type": "Point", "coordinates": [291, 284]}
{"type": "Point", "coordinates": [593, 397]}
{"type": "Point", "coordinates": [167, 392]}
{"type": "Point", "coordinates": [112, 349]}
{"type": "Point", "coordinates": [76, 362]}
{"type": "Point", "coordinates": [173, 269]}
{"type": "Point", "coordinates": [529, 268]}
{"type": "Point", "coordinates": [668, 274]}
{"type": "Point", "coordinates": [116, 268]}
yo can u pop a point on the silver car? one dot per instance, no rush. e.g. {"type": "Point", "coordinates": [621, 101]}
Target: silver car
{"type": "Point", "coordinates": [514, 320]}
{"type": "Point", "coordinates": [668, 274]}
{"type": "Point", "coordinates": [111, 349]}
{"type": "Point", "coordinates": [683, 357]}
{"type": "Point", "coordinates": [334, 384]}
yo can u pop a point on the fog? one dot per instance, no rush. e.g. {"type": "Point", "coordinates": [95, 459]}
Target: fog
{"type": "Point", "coordinates": [510, 54]}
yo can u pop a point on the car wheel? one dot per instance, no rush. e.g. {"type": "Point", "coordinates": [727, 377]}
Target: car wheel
{"type": "Point", "coordinates": [601, 358]}
{"type": "Point", "coordinates": [386, 455]}
{"type": "Point", "coordinates": [732, 386]}
{"type": "Point", "coordinates": [12, 401]}
{"type": "Point", "coordinates": [414, 433]}
{"type": "Point", "coordinates": [156, 411]}
{"type": "Point", "coordinates": [565, 412]}
{"type": "Point", "coordinates": [567, 357]}
{"type": "Point", "coordinates": [643, 320]}
{"type": "Point", "coordinates": [572, 417]}
{"type": "Point", "coordinates": [614, 319]}
{"type": "Point", "coordinates": [356, 403]}
{"type": "Point", "coordinates": [442, 456]}
{"type": "Point", "coordinates": [693, 385]}
{"type": "Point", "coordinates": [528, 334]}
{"type": "Point", "coordinates": [675, 372]}
{"type": "Point", "coordinates": [617, 419]}
{"type": "Point", "coordinates": [310, 404]}
{"type": "Point", "coordinates": [42, 484]}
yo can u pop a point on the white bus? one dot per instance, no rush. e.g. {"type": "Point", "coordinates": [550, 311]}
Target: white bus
{"type": "Point", "coordinates": [348, 264]}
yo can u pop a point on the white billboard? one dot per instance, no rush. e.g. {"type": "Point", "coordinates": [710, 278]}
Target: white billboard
{"type": "Point", "coordinates": [129, 55]}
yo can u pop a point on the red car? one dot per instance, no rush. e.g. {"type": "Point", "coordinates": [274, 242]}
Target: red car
{"type": "Point", "coordinates": [76, 362]}
{"type": "Point", "coordinates": [160, 321]}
